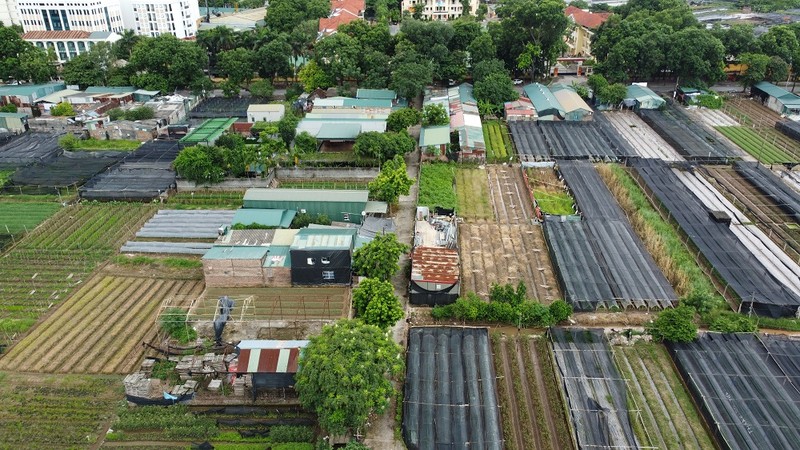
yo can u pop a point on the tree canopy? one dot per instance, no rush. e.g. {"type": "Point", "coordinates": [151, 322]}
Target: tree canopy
{"type": "Point", "coordinates": [375, 303]}
{"type": "Point", "coordinates": [434, 114]}
{"type": "Point", "coordinates": [401, 119]}
{"type": "Point", "coordinates": [343, 374]}
{"type": "Point", "coordinates": [23, 61]}
{"type": "Point", "coordinates": [379, 258]}
{"type": "Point", "coordinates": [392, 181]}
{"type": "Point", "coordinates": [674, 325]}
{"type": "Point", "coordinates": [165, 63]}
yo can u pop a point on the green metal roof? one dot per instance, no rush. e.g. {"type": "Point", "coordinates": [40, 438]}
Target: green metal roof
{"type": "Point", "coordinates": [324, 239]}
{"type": "Point", "coordinates": [238, 252]}
{"type": "Point", "coordinates": [16, 115]}
{"type": "Point", "coordinates": [543, 100]}
{"type": "Point", "coordinates": [640, 92]}
{"type": "Point", "coordinates": [278, 256]}
{"type": "Point", "coordinates": [770, 89]}
{"type": "Point", "coordinates": [209, 131]}
{"type": "Point", "coordinates": [339, 131]}
{"type": "Point", "coordinates": [437, 135]}
{"type": "Point", "coordinates": [382, 94]}
{"type": "Point", "coordinates": [560, 87]}
{"type": "Point", "coordinates": [109, 89]}
{"type": "Point", "coordinates": [268, 217]}
{"type": "Point", "coordinates": [465, 93]}
{"type": "Point", "coordinates": [307, 195]}
{"type": "Point", "coordinates": [30, 89]}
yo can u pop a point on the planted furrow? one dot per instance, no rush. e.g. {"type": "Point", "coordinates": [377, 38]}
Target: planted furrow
{"type": "Point", "coordinates": [635, 390]}
{"type": "Point", "coordinates": [531, 407]}
{"type": "Point", "coordinates": [512, 404]}
{"type": "Point", "coordinates": [544, 411]}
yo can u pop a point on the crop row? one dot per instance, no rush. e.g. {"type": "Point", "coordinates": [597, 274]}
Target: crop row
{"type": "Point", "coordinates": [16, 218]}
{"type": "Point", "coordinates": [498, 145]}
{"type": "Point", "coordinates": [472, 190]}
{"type": "Point", "coordinates": [228, 199]}
{"type": "Point", "coordinates": [754, 144]}
{"type": "Point", "coordinates": [436, 185]}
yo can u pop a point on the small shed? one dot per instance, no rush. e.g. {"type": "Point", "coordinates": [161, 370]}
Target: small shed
{"type": "Point", "coordinates": [575, 108]}
{"type": "Point", "coordinates": [277, 267]}
{"type": "Point", "coordinates": [14, 122]}
{"type": "Point", "coordinates": [274, 218]}
{"type": "Point", "coordinates": [338, 205]}
{"type": "Point", "coordinates": [234, 266]}
{"type": "Point", "coordinates": [435, 139]}
{"type": "Point", "coordinates": [642, 97]}
{"type": "Point", "coordinates": [265, 113]}
{"type": "Point", "coordinates": [520, 109]}
{"type": "Point", "coordinates": [322, 256]}
{"type": "Point", "coordinates": [544, 102]}
{"type": "Point", "coordinates": [434, 276]}
{"type": "Point", "coordinates": [143, 95]}
{"type": "Point", "coordinates": [777, 99]}
{"type": "Point", "coordinates": [272, 364]}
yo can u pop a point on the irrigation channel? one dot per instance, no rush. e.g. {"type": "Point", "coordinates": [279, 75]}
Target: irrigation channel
{"type": "Point", "coordinates": [780, 226]}
{"type": "Point", "coordinates": [532, 410]}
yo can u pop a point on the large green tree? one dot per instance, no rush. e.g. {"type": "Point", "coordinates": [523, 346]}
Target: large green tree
{"type": "Point", "coordinates": [497, 88]}
{"type": "Point", "coordinates": [237, 65]}
{"type": "Point", "coordinates": [92, 68]}
{"type": "Point", "coordinates": [200, 164]}
{"type": "Point", "coordinates": [166, 63]}
{"type": "Point", "coordinates": [338, 55]}
{"type": "Point", "coordinates": [274, 59]}
{"type": "Point", "coordinates": [756, 68]}
{"type": "Point", "coordinates": [409, 79]}
{"type": "Point", "coordinates": [375, 303]}
{"type": "Point", "coordinates": [401, 119]}
{"type": "Point", "coordinates": [696, 55]}
{"type": "Point", "coordinates": [343, 375]}
{"type": "Point", "coordinates": [674, 325]}
{"type": "Point", "coordinates": [392, 181]}
{"type": "Point", "coordinates": [285, 15]}
{"type": "Point", "coordinates": [21, 60]}
{"type": "Point", "coordinates": [379, 258]}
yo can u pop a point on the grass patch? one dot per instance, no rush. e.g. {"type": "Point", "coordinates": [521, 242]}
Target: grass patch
{"type": "Point", "coordinates": [205, 199]}
{"type": "Point", "coordinates": [141, 260]}
{"type": "Point", "coordinates": [112, 144]}
{"type": "Point", "coordinates": [16, 218]}
{"type": "Point", "coordinates": [5, 175]}
{"type": "Point", "coordinates": [559, 204]}
{"type": "Point", "coordinates": [301, 184]}
{"type": "Point", "coordinates": [472, 192]}
{"type": "Point", "coordinates": [754, 144]}
{"type": "Point", "coordinates": [436, 185]}
{"type": "Point", "coordinates": [498, 144]}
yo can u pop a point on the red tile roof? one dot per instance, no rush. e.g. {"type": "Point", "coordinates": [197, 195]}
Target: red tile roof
{"type": "Point", "coordinates": [342, 12]}
{"type": "Point", "coordinates": [434, 265]}
{"type": "Point", "coordinates": [585, 18]}
{"type": "Point", "coordinates": [66, 34]}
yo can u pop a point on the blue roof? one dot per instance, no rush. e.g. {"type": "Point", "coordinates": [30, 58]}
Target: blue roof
{"type": "Point", "coordinates": [278, 256]}
{"type": "Point", "coordinates": [30, 89]}
{"type": "Point", "coordinates": [237, 252]}
{"type": "Point", "coordinates": [786, 97]}
{"type": "Point", "coordinates": [109, 89]}
{"type": "Point", "coordinates": [278, 218]}
{"type": "Point", "coordinates": [543, 100]}
{"type": "Point", "coordinates": [436, 135]}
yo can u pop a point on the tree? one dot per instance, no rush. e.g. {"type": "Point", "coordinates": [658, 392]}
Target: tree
{"type": "Point", "coordinates": [123, 48]}
{"type": "Point", "coordinates": [285, 15]}
{"type": "Point", "coordinates": [338, 56]}
{"type": "Point", "coordinates": [482, 49]}
{"type": "Point", "coordinates": [287, 127]}
{"type": "Point", "coordinates": [342, 375]}
{"type": "Point", "coordinates": [375, 303]}
{"type": "Point", "coordinates": [401, 119]}
{"type": "Point", "coordinates": [166, 63]}
{"type": "Point", "coordinates": [305, 143]}
{"type": "Point", "coordinates": [612, 94]}
{"type": "Point", "coordinates": [197, 164]}
{"type": "Point", "coordinates": [313, 77]}
{"type": "Point", "coordinates": [237, 65]}
{"type": "Point", "coordinates": [560, 310]}
{"type": "Point", "coordinates": [696, 55]}
{"type": "Point", "coordinates": [369, 145]}
{"type": "Point", "coordinates": [434, 114]}
{"type": "Point", "coordinates": [737, 39]}
{"type": "Point", "coordinates": [379, 258]}
{"type": "Point", "coordinates": [780, 41]}
{"type": "Point", "coordinates": [392, 181]}
{"type": "Point", "coordinates": [777, 69]}
{"type": "Point", "coordinates": [756, 68]}
{"type": "Point", "coordinates": [261, 88]}
{"type": "Point", "coordinates": [21, 60]}
{"type": "Point", "coordinates": [92, 68]}
{"type": "Point", "coordinates": [674, 325]}
{"type": "Point", "coordinates": [485, 68]}
{"type": "Point", "coordinates": [497, 88]}
{"type": "Point", "coordinates": [410, 79]}
{"type": "Point", "coordinates": [273, 59]}
{"type": "Point", "coordinates": [62, 109]}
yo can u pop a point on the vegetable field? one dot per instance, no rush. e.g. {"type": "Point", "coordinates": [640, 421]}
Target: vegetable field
{"type": "Point", "coordinates": [324, 303]}
{"type": "Point", "coordinates": [306, 184]}
{"type": "Point", "coordinates": [437, 186]}
{"type": "Point", "coordinates": [207, 199]}
{"type": "Point", "coordinates": [41, 270]}
{"type": "Point", "coordinates": [55, 411]}
{"type": "Point", "coordinates": [498, 142]}
{"type": "Point", "coordinates": [762, 120]}
{"type": "Point", "coordinates": [754, 144]}
{"type": "Point", "coordinates": [472, 191]}
{"type": "Point", "coordinates": [532, 411]}
{"type": "Point", "coordinates": [549, 192]}
{"type": "Point", "coordinates": [662, 412]}
{"type": "Point", "coordinates": [101, 327]}
{"type": "Point", "coordinates": [511, 199]}
{"type": "Point", "coordinates": [17, 219]}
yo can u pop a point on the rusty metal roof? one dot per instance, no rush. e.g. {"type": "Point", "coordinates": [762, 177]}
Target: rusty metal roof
{"type": "Point", "coordinates": [269, 356]}
{"type": "Point", "coordinates": [435, 265]}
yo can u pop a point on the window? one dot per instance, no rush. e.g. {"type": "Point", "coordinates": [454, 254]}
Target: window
{"type": "Point", "coordinates": [325, 260]}
{"type": "Point", "coordinates": [310, 261]}
{"type": "Point", "coordinates": [346, 217]}
{"type": "Point", "coordinates": [327, 275]}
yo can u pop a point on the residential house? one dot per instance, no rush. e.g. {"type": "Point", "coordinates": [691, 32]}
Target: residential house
{"type": "Point", "coordinates": [777, 99]}
{"type": "Point", "coordinates": [265, 113]}
{"type": "Point", "coordinates": [466, 121]}
{"type": "Point", "coordinates": [519, 109]}
{"type": "Point", "coordinates": [585, 23]}
{"type": "Point", "coordinates": [338, 205]}
{"type": "Point", "coordinates": [322, 256]}
{"type": "Point", "coordinates": [342, 12]}
{"type": "Point", "coordinates": [26, 95]}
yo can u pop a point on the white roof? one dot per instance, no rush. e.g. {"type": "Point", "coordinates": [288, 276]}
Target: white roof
{"type": "Point", "coordinates": [276, 108]}
{"type": "Point", "coordinates": [257, 343]}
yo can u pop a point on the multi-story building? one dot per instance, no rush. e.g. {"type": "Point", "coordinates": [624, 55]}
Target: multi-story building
{"type": "Point", "coordinates": [69, 44]}
{"type": "Point", "coordinates": [155, 17]}
{"type": "Point", "coordinates": [66, 15]}
{"type": "Point", "coordinates": [584, 24]}
{"type": "Point", "coordinates": [440, 9]}
{"type": "Point", "coordinates": [8, 12]}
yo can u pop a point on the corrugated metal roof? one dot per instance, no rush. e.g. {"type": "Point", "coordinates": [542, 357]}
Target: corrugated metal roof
{"type": "Point", "coordinates": [271, 344]}
{"type": "Point", "coordinates": [110, 89]}
{"type": "Point", "coordinates": [338, 131]}
{"type": "Point", "coordinates": [268, 217]}
{"type": "Point", "coordinates": [771, 90]}
{"type": "Point", "coordinates": [307, 195]}
{"type": "Point", "coordinates": [284, 237]}
{"type": "Point", "coordinates": [465, 94]}
{"type": "Point", "coordinates": [246, 237]}
{"type": "Point", "coordinates": [14, 115]}
{"type": "Point", "coordinates": [542, 99]}
{"type": "Point", "coordinates": [437, 135]}
{"type": "Point", "coordinates": [56, 35]}
{"type": "Point", "coordinates": [58, 96]}
{"type": "Point", "coordinates": [435, 265]}
{"type": "Point", "coordinates": [278, 256]}
{"type": "Point", "coordinates": [375, 207]}
{"type": "Point", "coordinates": [366, 103]}
{"type": "Point", "coordinates": [570, 101]}
{"type": "Point", "coordinates": [209, 130]}
{"type": "Point", "coordinates": [324, 238]}
{"type": "Point", "coordinates": [266, 108]}
{"type": "Point", "coordinates": [235, 252]}
{"type": "Point", "coordinates": [384, 94]}
{"type": "Point", "coordinates": [30, 89]}
{"type": "Point", "coordinates": [641, 92]}
{"type": "Point", "coordinates": [268, 360]}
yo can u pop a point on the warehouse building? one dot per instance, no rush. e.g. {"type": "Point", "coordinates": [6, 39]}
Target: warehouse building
{"type": "Point", "coordinates": [574, 107]}
{"type": "Point", "coordinates": [322, 256]}
{"type": "Point", "coordinates": [777, 99]}
{"type": "Point", "coordinates": [338, 205]}
{"type": "Point", "coordinates": [642, 97]}
{"type": "Point", "coordinates": [544, 102]}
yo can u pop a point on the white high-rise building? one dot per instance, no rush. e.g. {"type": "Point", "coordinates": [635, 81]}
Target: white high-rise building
{"type": "Point", "coordinates": [155, 17]}
{"type": "Point", "coordinates": [439, 9]}
{"type": "Point", "coordinates": [65, 15]}
{"type": "Point", "coordinates": [8, 12]}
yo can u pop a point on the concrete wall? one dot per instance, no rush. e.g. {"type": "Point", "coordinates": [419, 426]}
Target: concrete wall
{"type": "Point", "coordinates": [233, 184]}
{"type": "Point", "coordinates": [328, 173]}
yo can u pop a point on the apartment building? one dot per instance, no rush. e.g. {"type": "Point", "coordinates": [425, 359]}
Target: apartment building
{"type": "Point", "coordinates": [440, 9]}
{"type": "Point", "coordinates": [8, 12]}
{"type": "Point", "coordinates": [584, 24]}
{"type": "Point", "coordinates": [155, 17]}
{"type": "Point", "coordinates": [66, 15]}
{"type": "Point", "coordinates": [69, 44]}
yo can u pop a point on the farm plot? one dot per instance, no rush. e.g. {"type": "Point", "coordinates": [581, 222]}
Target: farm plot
{"type": "Point", "coordinates": [573, 140]}
{"type": "Point", "coordinates": [745, 275]}
{"type": "Point", "coordinates": [775, 260]}
{"type": "Point", "coordinates": [324, 303]}
{"type": "Point", "coordinates": [17, 218]}
{"type": "Point", "coordinates": [765, 180]}
{"type": "Point", "coordinates": [646, 142]}
{"type": "Point", "coordinates": [205, 199]}
{"type": "Point", "coordinates": [531, 409]}
{"type": "Point", "coordinates": [498, 253]}
{"type": "Point", "coordinates": [101, 327]}
{"type": "Point", "coordinates": [755, 145]}
{"type": "Point", "coordinates": [744, 390]}
{"type": "Point", "coordinates": [662, 412]}
{"type": "Point", "coordinates": [511, 198]}
{"type": "Point", "coordinates": [55, 411]}
{"type": "Point", "coordinates": [437, 186]}
{"type": "Point", "coordinates": [224, 107]}
{"type": "Point", "coordinates": [712, 118]}
{"type": "Point", "coordinates": [766, 210]}
{"type": "Point", "coordinates": [549, 192]}
{"type": "Point", "coordinates": [498, 148]}
{"type": "Point", "coordinates": [690, 139]}
{"type": "Point", "coordinates": [472, 192]}
{"type": "Point", "coordinates": [600, 259]}
{"type": "Point", "coordinates": [450, 399]}
{"type": "Point", "coordinates": [46, 264]}
{"type": "Point", "coordinates": [29, 148]}
{"type": "Point", "coordinates": [70, 169]}
{"type": "Point", "coordinates": [596, 395]}
{"type": "Point", "coordinates": [143, 175]}
{"type": "Point", "coordinates": [763, 122]}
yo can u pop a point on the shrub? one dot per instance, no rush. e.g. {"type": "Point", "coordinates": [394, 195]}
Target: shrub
{"type": "Point", "coordinates": [10, 108]}
{"type": "Point", "coordinates": [506, 305]}
{"type": "Point", "coordinates": [560, 310]}
{"type": "Point", "coordinates": [164, 369]}
{"type": "Point", "coordinates": [173, 321]}
{"type": "Point", "coordinates": [434, 114]}
{"type": "Point", "coordinates": [674, 325]}
{"type": "Point", "coordinates": [302, 220]}
{"type": "Point", "coordinates": [305, 143]}
{"type": "Point", "coordinates": [62, 109]}
{"type": "Point", "coordinates": [68, 142]}
{"type": "Point", "coordinates": [293, 446]}
{"type": "Point", "coordinates": [731, 322]}
{"type": "Point", "coordinates": [711, 101]}
{"type": "Point", "coordinates": [140, 113]}
{"type": "Point", "coordinates": [289, 433]}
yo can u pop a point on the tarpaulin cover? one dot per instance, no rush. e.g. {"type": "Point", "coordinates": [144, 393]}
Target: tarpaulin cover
{"type": "Point", "coordinates": [767, 182]}
{"type": "Point", "coordinates": [450, 397]}
{"type": "Point", "coordinates": [687, 137]}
